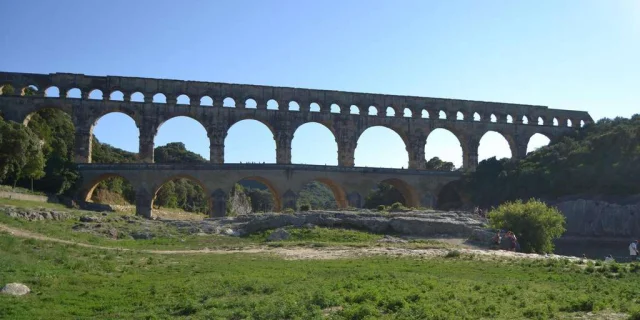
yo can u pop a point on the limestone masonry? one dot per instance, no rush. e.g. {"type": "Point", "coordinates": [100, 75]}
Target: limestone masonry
{"type": "Point", "coordinates": [516, 122]}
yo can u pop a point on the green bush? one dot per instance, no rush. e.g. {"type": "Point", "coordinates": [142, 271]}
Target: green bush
{"type": "Point", "coordinates": [382, 208]}
{"type": "Point", "coordinates": [534, 223]}
{"type": "Point", "coordinates": [397, 205]}
{"type": "Point", "coordinates": [305, 207]}
{"type": "Point", "coordinates": [288, 211]}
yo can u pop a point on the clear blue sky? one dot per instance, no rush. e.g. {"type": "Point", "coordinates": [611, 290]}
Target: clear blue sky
{"type": "Point", "coordinates": [582, 55]}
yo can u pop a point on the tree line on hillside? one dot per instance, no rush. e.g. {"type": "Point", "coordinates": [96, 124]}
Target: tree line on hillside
{"type": "Point", "coordinates": [601, 159]}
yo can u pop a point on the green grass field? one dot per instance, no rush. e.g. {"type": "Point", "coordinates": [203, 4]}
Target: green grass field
{"type": "Point", "coordinates": [72, 282]}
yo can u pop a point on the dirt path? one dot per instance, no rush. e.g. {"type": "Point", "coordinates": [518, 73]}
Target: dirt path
{"type": "Point", "coordinates": [298, 253]}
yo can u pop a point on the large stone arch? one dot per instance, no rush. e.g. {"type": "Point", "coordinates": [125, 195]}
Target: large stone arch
{"type": "Point", "coordinates": [266, 123]}
{"type": "Point", "coordinates": [326, 124]}
{"type": "Point", "coordinates": [339, 193]}
{"type": "Point", "coordinates": [173, 115]}
{"type": "Point", "coordinates": [408, 192]}
{"type": "Point", "coordinates": [88, 187]}
{"type": "Point", "coordinates": [276, 192]}
{"type": "Point", "coordinates": [511, 141]}
{"type": "Point", "coordinates": [191, 178]}
{"type": "Point", "coordinates": [360, 132]}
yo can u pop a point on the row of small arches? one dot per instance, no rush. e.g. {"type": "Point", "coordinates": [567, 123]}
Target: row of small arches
{"type": "Point", "coordinates": [228, 102]}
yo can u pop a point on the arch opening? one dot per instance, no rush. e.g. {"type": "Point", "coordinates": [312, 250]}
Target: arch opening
{"type": "Point", "coordinates": [252, 195]}
{"type": "Point", "coordinates": [228, 102]}
{"type": "Point", "coordinates": [137, 97]}
{"type": "Point", "coordinates": [323, 150]}
{"type": "Point", "coordinates": [181, 139]}
{"type": "Point", "coordinates": [391, 112]}
{"type": "Point", "coordinates": [294, 106]}
{"type": "Point", "coordinates": [181, 197]}
{"type": "Point", "coordinates": [52, 92]}
{"type": "Point", "coordinates": [537, 141]}
{"type": "Point", "coordinates": [113, 146]}
{"type": "Point", "coordinates": [425, 114]}
{"type": "Point", "coordinates": [569, 123]}
{"type": "Point", "coordinates": [74, 93]}
{"type": "Point", "coordinates": [509, 119]}
{"type": "Point", "coordinates": [449, 197]}
{"type": "Point", "coordinates": [391, 191]}
{"type": "Point", "coordinates": [407, 113]}
{"type": "Point", "coordinates": [159, 98]}
{"type": "Point", "coordinates": [582, 123]}
{"type": "Point", "coordinates": [493, 118]}
{"type": "Point", "coordinates": [95, 94]}
{"type": "Point", "coordinates": [116, 96]}
{"type": "Point", "coordinates": [250, 104]}
{"type": "Point", "coordinates": [525, 120]}
{"type": "Point", "coordinates": [111, 189]}
{"type": "Point", "coordinates": [381, 147]}
{"type": "Point", "coordinates": [476, 117]}
{"type": "Point", "coordinates": [322, 194]}
{"type": "Point", "coordinates": [183, 99]}
{"type": "Point", "coordinates": [373, 111]}
{"type": "Point", "coordinates": [272, 105]}
{"type": "Point", "coordinates": [354, 109]}
{"type": "Point", "coordinates": [335, 108]}
{"type": "Point", "coordinates": [314, 107]}
{"type": "Point", "coordinates": [459, 116]}
{"type": "Point", "coordinates": [540, 121]}
{"type": "Point", "coordinates": [206, 101]}
{"type": "Point", "coordinates": [442, 115]}
{"type": "Point", "coordinates": [256, 140]}
{"type": "Point", "coordinates": [444, 145]}
{"type": "Point", "coordinates": [555, 122]}
{"type": "Point", "coordinates": [493, 144]}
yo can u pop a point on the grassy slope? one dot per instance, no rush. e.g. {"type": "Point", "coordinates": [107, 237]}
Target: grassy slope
{"type": "Point", "coordinates": [73, 282]}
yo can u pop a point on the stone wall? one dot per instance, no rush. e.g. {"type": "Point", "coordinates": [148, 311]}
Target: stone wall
{"type": "Point", "coordinates": [601, 217]}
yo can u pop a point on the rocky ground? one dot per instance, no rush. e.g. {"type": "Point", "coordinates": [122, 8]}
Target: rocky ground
{"type": "Point", "coordinates": [421, 224]}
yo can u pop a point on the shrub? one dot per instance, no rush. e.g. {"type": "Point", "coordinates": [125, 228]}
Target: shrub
{"type": "Point", "coordinates": [397, 205]}
{"type": "Point", "coordinates": [535, 224]}
{"type": "Point", "coordinates": [305, 207]}
{"type": "Point", "coordinates": [382, 208]}
{"type": "Point", "coordinates": [288, 211]}
{"type": "Point", "coordinates": [453, 254]}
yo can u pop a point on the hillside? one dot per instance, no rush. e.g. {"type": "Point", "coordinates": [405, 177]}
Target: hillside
{"type": "Point", "coordinates": [601, 159]}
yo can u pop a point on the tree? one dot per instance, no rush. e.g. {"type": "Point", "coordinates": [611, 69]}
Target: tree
{"type": "Point", "coordinates": [20, 152]}
{"type": "Point", "coordinates": [535, 224]}
{"type": "Point", "coordinates": [436, 164]}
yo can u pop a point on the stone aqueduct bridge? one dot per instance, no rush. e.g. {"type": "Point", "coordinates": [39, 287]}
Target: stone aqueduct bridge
{"type": "Point", "coordinates": [516, 122]}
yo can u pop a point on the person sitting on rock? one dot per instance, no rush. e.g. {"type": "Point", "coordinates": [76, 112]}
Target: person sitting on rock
{"type": "Point", "coordinates": [497, 238]}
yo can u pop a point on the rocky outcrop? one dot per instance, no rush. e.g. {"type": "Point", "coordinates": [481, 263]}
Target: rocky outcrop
{"type": "Point", "coordinates": [600, 218]}
{"type": "Point", "coordinates": [15, 289]}
{"type": "Point", "coordinates": [413, 223]}
{"type": "Point", "coordinates": [239, 203]}
{"type": "Point", "coordinates": [34, 214]}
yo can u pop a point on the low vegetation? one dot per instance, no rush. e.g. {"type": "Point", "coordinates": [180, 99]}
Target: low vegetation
{"type": "Point", "coordinates": [535, 223]}
{"type": "Point", "coordinates": [73, 282]}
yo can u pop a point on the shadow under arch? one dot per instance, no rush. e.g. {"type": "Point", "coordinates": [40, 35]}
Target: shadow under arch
{"type": "Point", "coordinates": [339, 193]}
{"type": "Point", "coordinates": [407, 192]}
{"type": "Point", "coordinates": [450, 196]}
{"type": "Point", "coordinates": [86, 192]}
{"type": "Point", "coordinates": [277, 197]}
{"type": "Point", "coordinates": [207, 193]}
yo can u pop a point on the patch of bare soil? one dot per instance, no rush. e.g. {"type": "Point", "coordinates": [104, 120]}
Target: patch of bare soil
{"type": "Point", "coordinates": [300, 253]}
